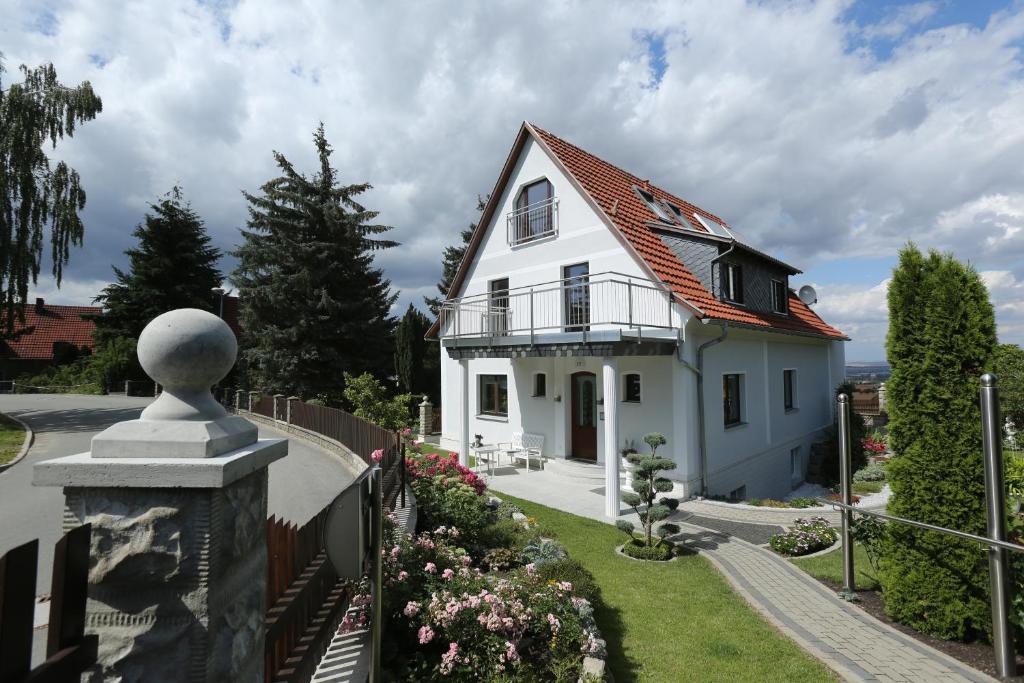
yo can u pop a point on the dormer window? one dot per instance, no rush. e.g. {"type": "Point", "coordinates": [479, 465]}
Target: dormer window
{"type": "Point", "coordinates": [780, 300]}
{"type": "Point", "coordinates": [732, 283]}
{"type": "Point", "coordinates": [659, 210]}
{"type": "Point", "coordinates": [535, 215]}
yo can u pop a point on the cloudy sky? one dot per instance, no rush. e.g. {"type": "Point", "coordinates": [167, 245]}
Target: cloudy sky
{"type": "Point", "coordinates": [828, 133]}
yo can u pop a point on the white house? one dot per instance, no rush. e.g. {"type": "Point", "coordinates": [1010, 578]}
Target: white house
{"type": "Point", "coordinates": [593, 307]}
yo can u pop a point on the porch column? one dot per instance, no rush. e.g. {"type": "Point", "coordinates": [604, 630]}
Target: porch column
{"type": "Point", "coordinates": [610, 376]}
{"type": "Point", "coordinates": [463, 381]}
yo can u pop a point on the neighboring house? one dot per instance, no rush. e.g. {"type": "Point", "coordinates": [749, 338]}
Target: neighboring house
{"type": "Point", "coordinates": [593, 307]}
{"type": "Point", "coordinates": [51, 335]}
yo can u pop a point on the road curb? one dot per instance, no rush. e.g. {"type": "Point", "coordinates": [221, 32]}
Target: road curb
{"type": "Point", "coordinates": [29, 438]}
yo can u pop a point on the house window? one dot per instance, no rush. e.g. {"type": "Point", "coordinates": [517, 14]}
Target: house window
{"type": "Point", "coordinates": [494, 395]}
{"type": "Point", "coordinates": [534, 214]}
{"type": "Point", "coordinates": [732, 283]}
{"type": "Point", "coordinates": [780, 303]}
{"type": "Point", "coordinates": [497, 307]}
{"type": "Point", "coordinates": [789, 389]}
{"type": "Point", "coordinates": [576, 279]}
{"type": "Point", "coordinates": [796, 464]}
{"type": "Point", "coordinates": [631, 390]}
{"type": "Point", "coordinates": [731, 390]}
{"type": "Point", "coordinates": [540, 385]}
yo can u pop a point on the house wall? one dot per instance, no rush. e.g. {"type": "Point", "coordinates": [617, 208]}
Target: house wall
{"type": "Point", "coordinates": [756, 453]}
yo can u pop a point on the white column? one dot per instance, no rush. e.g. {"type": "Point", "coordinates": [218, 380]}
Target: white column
{"type": "Point", "coordinates": [462, 376]}
{"type": "Point", "coordinates": [610, 376]}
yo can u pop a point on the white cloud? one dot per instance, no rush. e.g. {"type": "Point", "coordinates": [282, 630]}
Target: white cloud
{"type": "Point", "coordinates": [766, 114]}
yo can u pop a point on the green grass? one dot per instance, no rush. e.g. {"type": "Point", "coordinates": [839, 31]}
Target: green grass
{"type": "Point", "coordinates": [675, 621]}
{"type": "Point", "coordinates": [830, 567]}
{"type": "Point", "coordinates": [867, 487]}
{"type": "Point", "coordinates": [12, 436]}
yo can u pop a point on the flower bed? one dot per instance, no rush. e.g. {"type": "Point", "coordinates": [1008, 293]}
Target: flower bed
{"type": "Point", "coordinates": [500, 603]}
{"type": "Point", "coordinates": [807, 536]}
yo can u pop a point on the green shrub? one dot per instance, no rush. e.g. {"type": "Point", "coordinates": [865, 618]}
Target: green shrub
{"type": "Point", "coordinates": [1015, 476]}
{"type": "Point", "coordinates": [647, 483]}
{"type": "Point", "coordinates": [501, 559]}
{"type": "Point", "coordinates": [873, 472]}
{"type": "Point", "coordinates": [803, 502]}
{"type": "Point", "coordinates": [807, 536]}
{"type": "Point", "coordinates": [870, 533]}
{"type": "Point", "coordinates": [568, 569]}
{"type": "Point", "coordinates": [543, 551]}
{"type": "Point", "coordinates": [639, 550]}
{"type": "Point", "coordinates": [768, 503]}
{"type": "Point", "coordinates": [504, 533]}
{"type": "Point", "coordinates": [506, 510]}
{"type": "Point", "coordinates": [868, 487]}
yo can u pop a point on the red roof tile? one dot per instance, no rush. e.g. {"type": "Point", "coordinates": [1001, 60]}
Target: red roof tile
{"type": "Point", "coordinates": [46, 326]}
{"type": "Point", "coordinates": [612, 189]}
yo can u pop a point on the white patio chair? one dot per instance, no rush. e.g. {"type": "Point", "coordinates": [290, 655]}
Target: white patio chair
{"type": "Point", "coordinates": [526, 447]}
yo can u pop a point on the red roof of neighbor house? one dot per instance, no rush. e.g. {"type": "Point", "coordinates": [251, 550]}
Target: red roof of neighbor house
{"type": "Point", "coordinates": [46, 325]}
{"type": "Point", "coordinates": [612, 189]}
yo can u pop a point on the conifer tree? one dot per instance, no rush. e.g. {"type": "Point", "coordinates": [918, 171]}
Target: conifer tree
{"type": "Point", "coordinates": [173, 266]}
{"type": "Point", "coordinates": [417, 364]}
{"type": "Point", "coordinates": [451, 260]}
{"type": "Point", "coordinates": [1009, 368]}
{"type": "Point", "coordinates": [942, 342]}
{"type": "Point", "coordinates": [38, 110]}
{"type": "Point", "coordinates": [313, 305]}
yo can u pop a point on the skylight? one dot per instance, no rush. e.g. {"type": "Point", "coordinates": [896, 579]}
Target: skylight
{"type": "Point", "coordinates": [656, 207]}
{"type": "Point", "coordinates": [679, 215]}
{"type": "Point", "coordinates": [714, 227]}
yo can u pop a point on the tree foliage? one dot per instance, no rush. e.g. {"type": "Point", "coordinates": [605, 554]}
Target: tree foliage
{"type": "Point", "coordinates": [32, 194]}
{"type": "Point", "coordinates": [369, 400]}
{"type": "Point", "coordinates": [1009, 368]}
{"type": "Point", "coordinates": [313, 305]}
{"type": "Point", "coordinates": [451, 260]}
{"type": "Point", "coordinates": [417, 361]}
{"type": "Point", "coordinates": [173, 266]}
{"type": "Point", "coordinates": [858, 432]}
{"type": "Point", "coordinates": [647, 483]}
{"type": "Point", "coordinates": [941, 338]}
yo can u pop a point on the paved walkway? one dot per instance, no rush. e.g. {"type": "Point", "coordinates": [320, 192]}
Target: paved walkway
{"type": "Point", "coordinates": [844, 637]}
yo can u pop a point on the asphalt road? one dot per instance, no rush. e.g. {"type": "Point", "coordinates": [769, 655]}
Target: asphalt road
{"type": "Point", "coordinates": [301, 484]}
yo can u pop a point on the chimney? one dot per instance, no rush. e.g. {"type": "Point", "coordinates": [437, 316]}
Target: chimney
{"type": "Point", "coordinates": [647, 184]}
{"type": "Point", "coordinates": [39, 304]}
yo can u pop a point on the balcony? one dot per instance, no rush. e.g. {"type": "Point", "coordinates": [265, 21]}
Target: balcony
{"type": "Point", "coordinates": [604, 307]}
{"type": "Point", "coordinates": [533, 222]}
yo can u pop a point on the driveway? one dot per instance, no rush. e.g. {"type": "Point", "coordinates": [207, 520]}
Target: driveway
{"type": "Point", "coordinates": [301, 484]}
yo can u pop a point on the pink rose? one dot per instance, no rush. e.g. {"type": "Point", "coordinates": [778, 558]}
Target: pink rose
{"type": "Point", "coordinates": [426, 634]}
{"type": "Point", "coordinates": [430, 568]}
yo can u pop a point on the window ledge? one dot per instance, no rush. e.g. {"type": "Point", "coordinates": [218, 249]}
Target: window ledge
{"type": "Point", "coordinates": [636, 403]}
{"type": "Point", "coordinates": [492, 418]}
{"type": "Point", "coordinates": [792, 410]}
{"type": "Point", "coordinates": [737, 425]}
{"type": "Point", "coordinates": [539, 396]}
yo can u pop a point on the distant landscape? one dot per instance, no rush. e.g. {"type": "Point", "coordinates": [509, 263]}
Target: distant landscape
{"type": "Point", "coordinates": [862, 371]}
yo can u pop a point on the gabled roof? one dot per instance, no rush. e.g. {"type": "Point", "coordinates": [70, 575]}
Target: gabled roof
{"type": "Point", "coordinates": [46, 325]}
{"type": "Point", "coordinates": [610, 191]}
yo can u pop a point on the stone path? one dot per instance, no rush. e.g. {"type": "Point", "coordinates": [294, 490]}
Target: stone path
{"type": "Point", "coordinates": [845, 638]}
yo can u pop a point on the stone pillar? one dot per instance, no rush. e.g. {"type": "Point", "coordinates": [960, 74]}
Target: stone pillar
{"type": "Point", "coordinates": [610, 380]}
{"type": "Point", "coordinates": [462, 379]}
{"type": "Point", "coordinates": [882, 408]}
{"type": "Point", "coordinates": [426, 418]}
{"type": "Point", "coordinates": [253, 397]}
{"type": "Point", "coordinates": [177, 501]}
{"type": "Point", "coordinates": [276, 401]}
{"type": "Point", "coordinates": [239, 393]}
{"type": "Point", "coordinates": [288, 411]}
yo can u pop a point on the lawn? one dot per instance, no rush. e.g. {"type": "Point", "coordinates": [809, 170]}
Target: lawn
{"type": "Point", "coordinates": [830, 567]}
{"type": "Point", "coordinates": [12, 436]}
{"type": "Point", "coordinates": [676, 621]}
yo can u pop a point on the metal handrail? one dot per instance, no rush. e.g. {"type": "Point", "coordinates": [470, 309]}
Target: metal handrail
{"type": "Point", "coordinates": [532, 222]}
{"type": "Point", "coordinates": [592, 277]}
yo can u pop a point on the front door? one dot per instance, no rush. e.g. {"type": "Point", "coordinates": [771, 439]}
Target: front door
{"type": "Point", "coordinates": [584, 416]}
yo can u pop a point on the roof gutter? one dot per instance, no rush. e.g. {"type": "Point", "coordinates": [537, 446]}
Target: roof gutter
{"type": "Point", "coordinates": [700, 404]}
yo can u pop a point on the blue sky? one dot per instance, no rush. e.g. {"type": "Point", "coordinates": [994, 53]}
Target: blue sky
{"type": "Point", "coordinates": [828, 133]}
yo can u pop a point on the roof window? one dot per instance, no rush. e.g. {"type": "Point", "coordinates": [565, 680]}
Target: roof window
{"type": "Point", "coordinates": [714, 227]}
{"type": "Point", "coordinates": [660, 211]}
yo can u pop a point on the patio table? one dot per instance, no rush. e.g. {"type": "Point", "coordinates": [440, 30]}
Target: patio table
{"type": "Point", "coordinates": [491, 452]}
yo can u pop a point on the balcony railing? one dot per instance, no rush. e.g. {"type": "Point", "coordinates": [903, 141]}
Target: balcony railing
{"type": "Point", "coordinates": [599, 302]}
{"type": "Point", "coordinates": [533, 222]}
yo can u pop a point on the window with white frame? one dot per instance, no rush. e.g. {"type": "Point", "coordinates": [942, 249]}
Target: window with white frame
{"type": "Point", "coordinates": [493, 395]}
{"type": "Point", "coordinates": [789, 389]}
{"type": "Point", "coordinates": [732, 283]}
{"type": "Point", "coordinates": [732, 396]}
{"type": "Point", "coordinates": [535, 213]}
{"type": "Point", "coordinates": [780, 299]}
{"type": "Point", "coordinates": [631, 387]}
{"type": "Point", "coordinates": [540, 385]}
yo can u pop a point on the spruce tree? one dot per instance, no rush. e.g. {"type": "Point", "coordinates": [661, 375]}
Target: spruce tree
{"type": "Point", "coordinates": [38, 110]}
{"type": "Point", "coordinates": [173, 266]}
{"type": "Point", "coordinates": [451, 260]}
{"type": "Point", "coordinates": [313, 305]}
{"type": "Point", "coordinates": [417, 364]}
{"type": "Point", "coordinates": [942, 342]}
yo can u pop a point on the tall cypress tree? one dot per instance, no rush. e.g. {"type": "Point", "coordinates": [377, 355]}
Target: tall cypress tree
{"type": "Point", "coordinates": [450, 261]}
{"type": "Point", "coordinates": [417, 364]}
{"type": "Point", "coordinates": [313, 305]}
{"type": "Point", "coordinates": [930, 581]}
{"type": "Point", "coordinates": [173, 266]}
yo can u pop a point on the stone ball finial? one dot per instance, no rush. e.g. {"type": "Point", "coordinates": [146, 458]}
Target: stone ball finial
{"type": "Point", "coordinates": [187, 351]}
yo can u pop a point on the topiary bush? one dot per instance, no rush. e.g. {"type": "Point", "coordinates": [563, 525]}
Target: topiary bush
{"type": "Point", "coordinates": [807, 536]}
{"type": "Point", "coordinates": [639, 550]}
{"type": "Point", "coordinates": [646, 484]}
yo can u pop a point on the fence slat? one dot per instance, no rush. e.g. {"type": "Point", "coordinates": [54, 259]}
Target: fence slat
{"type": "Point", "coordinates": [17, 604]}
{"type": "Point", "coordinates": [68, 590]}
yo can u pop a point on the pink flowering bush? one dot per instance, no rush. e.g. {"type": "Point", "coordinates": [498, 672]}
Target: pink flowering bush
{"type": "Point", "coordinates": [448, 494]}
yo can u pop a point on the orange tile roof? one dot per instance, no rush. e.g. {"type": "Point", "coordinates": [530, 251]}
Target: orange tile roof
{"type": "Point", "coordinates": [612, 189]}
{"type": "Point", "coordinates": [47, 325]}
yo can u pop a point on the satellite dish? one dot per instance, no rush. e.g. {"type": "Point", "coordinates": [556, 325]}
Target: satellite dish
{"type": "Point", "coordinates": [808, 295]}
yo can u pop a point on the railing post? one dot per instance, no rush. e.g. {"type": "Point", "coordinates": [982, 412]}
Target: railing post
{"type": "Point", "coordinates": [998, 569]}
{"type": "Point", "coordinates": [531, 316]}
{"type": "Point", "coordinates": [845, 477]}
{"type": "Point", "coordinates": [629, 295]}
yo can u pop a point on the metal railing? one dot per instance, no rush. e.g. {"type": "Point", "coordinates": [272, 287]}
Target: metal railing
{"type": "Point", "coordinates": [533, 222]}
{"type": "Point", "coordinates": [606, 300]}
{"type": "Point", "coordinates": [995, 503]}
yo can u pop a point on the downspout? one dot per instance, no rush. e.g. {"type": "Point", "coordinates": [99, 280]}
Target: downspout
{"type": "Point", "coordinates": [700, 404]}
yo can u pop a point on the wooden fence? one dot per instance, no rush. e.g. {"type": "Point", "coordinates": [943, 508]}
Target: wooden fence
{"type": "Point", "coordinates": [68, 651]}
{"type": "Point", "coordinates": [305, 599]}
